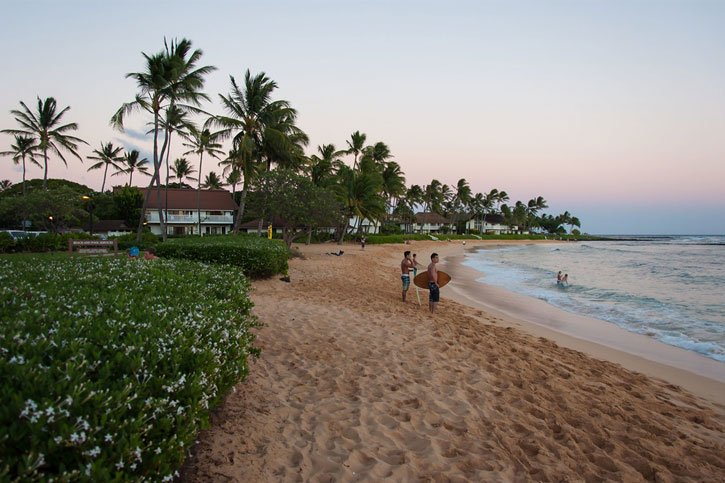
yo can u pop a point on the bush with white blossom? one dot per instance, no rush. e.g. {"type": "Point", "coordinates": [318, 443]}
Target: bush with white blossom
{"type": "Point", "coordinates": [109, 366]}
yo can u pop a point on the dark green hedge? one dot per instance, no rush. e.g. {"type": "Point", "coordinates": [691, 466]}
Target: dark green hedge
{"type": "Point", "coordinates": [258, 257]}
{"type": "Point", "coordinates": [110, 366]}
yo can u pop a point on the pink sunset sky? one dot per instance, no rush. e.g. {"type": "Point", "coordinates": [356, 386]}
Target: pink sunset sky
{"type": "Point", "coordinates": [612, 110]}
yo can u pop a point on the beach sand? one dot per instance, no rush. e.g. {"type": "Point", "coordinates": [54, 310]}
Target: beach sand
{"type": "Point", "coordinates": [354, 385]}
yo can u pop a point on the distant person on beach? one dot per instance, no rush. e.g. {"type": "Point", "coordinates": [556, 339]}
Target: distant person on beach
{"type": "Point", "coordinates": [132, 253]}
{"type": "Point", "coordinates": [405, 266]}
{"type": "Point", "coordinates": [362, 242]}
{"type": "Point", "coordinates": [565, 280]}
{"type": "Point", "coordinates": [150, 254]}
{"type": "Point", "coordinates": [558, 278]}
{"type": "Point", "coordinates": [435, 292]}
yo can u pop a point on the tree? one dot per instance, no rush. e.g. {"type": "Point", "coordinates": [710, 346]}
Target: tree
{"type": "Point", "coordinates": [233, 179]}
{"type": "Point", "coordinates": [23, 148]}
{"type": "Point", "coordinates": [297, 202]}
{"type": "Point", "coordinates": [240, 159]}
{"type": "Point", "coordinates": [171, 78]}
{"type": "Point", "coordinates": [355, 145]}
{"type": "Point", "coordinates": [393, 183]}
{"type": "Point", "coordinates": [5, 184]}
{"type": "Point", "coordinates": [212, 182]}
{"type": "Point", "coordinates": [182, 169]}
{"type": "Point", "coordinates": [201, 142]}
{"type": "Point", "coordinates": [107, 156]}
{"type": "Point", "coordinates": [321, 168]}
{"type": "Point", "coordinates": [131, 163]}
{"type": "Point", "coordinates": [127, 203]}
{"type": "Point", "coordinates": [259, 126]}
{"type": "Point", "coordinates": [463, 194]}
{"type": "Point", "coordinates": [45, 127]}
{"type": "Point", "coordinates": [359, 191]}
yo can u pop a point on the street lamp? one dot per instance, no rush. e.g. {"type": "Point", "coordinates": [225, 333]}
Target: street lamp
{"type": "Point", "coordinates": [90, 210]}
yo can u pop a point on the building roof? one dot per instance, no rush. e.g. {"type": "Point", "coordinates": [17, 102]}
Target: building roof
{"type": "Point", "coordinates": [456, 217]}
{"type": "Point", "coordinates": [423, 218]}
{"type": "Point", "coordinates": [108, 225]}
{"type": "Point", "coordinates": [494, 219]}
{"type": "Point", "coordinates": [185, 199]}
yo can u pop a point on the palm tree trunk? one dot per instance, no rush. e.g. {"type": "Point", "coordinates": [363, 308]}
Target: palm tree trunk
{"type": "Point", "coordinates": [154, 179]}
{"type": "Point", "coordinates": [240, 213]}
{"type": "Point", "coordinates": [166, 187]}
{"type": "Point", "coordinates": [103, 185]}
{"type": "Point", "coordinates": [198, 195]}
{"type": "Point", "coordinates": [130, 179]}
{"type": "Point", "coordinates": [45, 173]}
{"type": "Point", "coordinates": [23, 176]}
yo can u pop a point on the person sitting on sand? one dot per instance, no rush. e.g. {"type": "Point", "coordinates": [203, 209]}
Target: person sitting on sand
{"type": "Point", "coordinates": [150, 254]}
{"type": "Point", "coordinates": [558, 278]}
{"type": "Point", "coordinates": [435, 292]}
{"type": "Point", "coordinates": [336, 254]}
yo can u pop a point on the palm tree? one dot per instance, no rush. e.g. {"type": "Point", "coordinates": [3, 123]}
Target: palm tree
{"type": "Point", "coordinates": [175, 120]}
{"type": "Point", "coordinates": [463, 193]}
{"type": "Point", "coordinates": [320, 168]}
{"type": "Point", "coordinates": [233, 179]}
{"type": "Point", "coordinates": [259, 127]}
{"type": "Point", "coordinates": [212, 182]}
{"type": "Point", "coordinates": [203, 141]}
{"type": "Point", "coordinates": [393, 183]}
{"type": "Point", "coordinates": [240, 159]}
{"type": "Point", "coordinates": [5, 184]}
{"type": "Point", "coordinates": [131, 163]}
{"type": "Point", "coordinates": [45, 126]}
{"type": "Point", "coordinates": [23, 148]}
{"type": "Point", "coordinates": [170, 78]}
{"type": "Point", "coordinates": [182, 169]}
{"type": "Point", "coordinates": [359, 193]}
{"type": "Point", "coordinates": [355, 145]}
{"type": "Point", "coordinates": [107, 156]}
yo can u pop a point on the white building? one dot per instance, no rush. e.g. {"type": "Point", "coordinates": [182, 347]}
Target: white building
{"type": "Point", "coordinates": [181, 215]}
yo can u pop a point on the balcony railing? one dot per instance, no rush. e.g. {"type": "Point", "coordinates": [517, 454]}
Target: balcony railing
{"type": "Point", "coordinates": [153, 217]}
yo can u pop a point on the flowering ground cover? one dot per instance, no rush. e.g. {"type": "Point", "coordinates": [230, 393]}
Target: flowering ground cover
{"type": "Point", "coordinates": [109, 366]}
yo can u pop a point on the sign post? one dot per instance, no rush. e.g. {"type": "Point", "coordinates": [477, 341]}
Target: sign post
{"type": "Point", "coordinates": [96, 247]}
{"type": "Point", "coordinates": [269, 232]}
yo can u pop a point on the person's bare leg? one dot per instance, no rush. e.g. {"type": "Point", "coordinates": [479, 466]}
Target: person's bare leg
{"type": "Point", "coordinates": [433, 306]}
{"type": "Point", "coordinates": [405, 292]}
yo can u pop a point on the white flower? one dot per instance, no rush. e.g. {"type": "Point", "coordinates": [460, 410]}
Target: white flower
{"type": "Point", "coordinates": [108, 438]}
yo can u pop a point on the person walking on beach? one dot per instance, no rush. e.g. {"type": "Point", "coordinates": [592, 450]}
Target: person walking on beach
{"type": "Point", "coordinates": [405, 266]}
{"type": "Point", "coordinates": [435, 292]}
{"type": "Point", "coordinates": [362, 242]}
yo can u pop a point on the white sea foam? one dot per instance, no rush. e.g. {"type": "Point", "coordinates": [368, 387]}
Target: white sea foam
{"type": "Point", "coordinates": [667, 288]}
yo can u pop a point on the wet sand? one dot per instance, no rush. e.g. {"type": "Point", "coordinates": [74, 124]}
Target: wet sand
{"type": "Point", "coordinates": [355, 385]}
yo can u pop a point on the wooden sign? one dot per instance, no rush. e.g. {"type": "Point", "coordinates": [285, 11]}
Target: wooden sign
{"type": "Point", "coordinates": [94, 247]}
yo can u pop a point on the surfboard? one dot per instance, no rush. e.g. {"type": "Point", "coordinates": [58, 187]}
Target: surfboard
{"type": "Point", "coordinates": [421, 280]}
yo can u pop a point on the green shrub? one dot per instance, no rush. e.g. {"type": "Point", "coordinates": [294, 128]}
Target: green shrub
{"type": "Point", "coordinates": [128, 240]}
{"type": "Point", "coordinates": [48, 242]}
{"type": "Point", "coordinates": [258, 257]}
{"type": "Point", "coordinates": [7, 242]}
{"type": "Point", "coordinates": [110, 366]}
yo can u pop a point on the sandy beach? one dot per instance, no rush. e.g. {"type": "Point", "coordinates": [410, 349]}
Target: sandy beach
{"type": "Point", "coordinates": [354, 385]}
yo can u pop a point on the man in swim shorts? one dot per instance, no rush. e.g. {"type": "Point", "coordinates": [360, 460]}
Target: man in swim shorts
{"type": "Point", "coordinates": [405, 266]}
{"type": "Point", "coordinates": [435, 292]}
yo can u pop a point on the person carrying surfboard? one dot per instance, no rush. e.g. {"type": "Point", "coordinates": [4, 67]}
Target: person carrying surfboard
{"type": "Point", "coordinates": [435, 292]}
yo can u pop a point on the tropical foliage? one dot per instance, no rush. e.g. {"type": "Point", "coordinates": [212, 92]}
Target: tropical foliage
{"type": "Point", "coordinates": [113, 379]}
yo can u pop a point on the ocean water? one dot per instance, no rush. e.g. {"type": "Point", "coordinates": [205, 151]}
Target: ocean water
{"type": "Point", "coordinates": [669, 288]}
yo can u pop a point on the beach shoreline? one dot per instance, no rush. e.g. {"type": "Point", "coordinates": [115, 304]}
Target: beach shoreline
{"type": "Point", "coordinates": [354, 385]}
{"type": "Point", "coordinates": [595, 337]}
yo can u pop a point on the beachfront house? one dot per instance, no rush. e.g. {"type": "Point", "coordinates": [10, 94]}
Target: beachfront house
{"type": "Point", "coordinates": [494, 224]}
{"type": "Point", "coordinates": [181, 214]}
{"type": "Point", "coordinates": [430, 223]}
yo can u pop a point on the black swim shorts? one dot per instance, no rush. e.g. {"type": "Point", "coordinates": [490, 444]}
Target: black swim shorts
{"type": "Point", "coordinates": [435, 292]}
